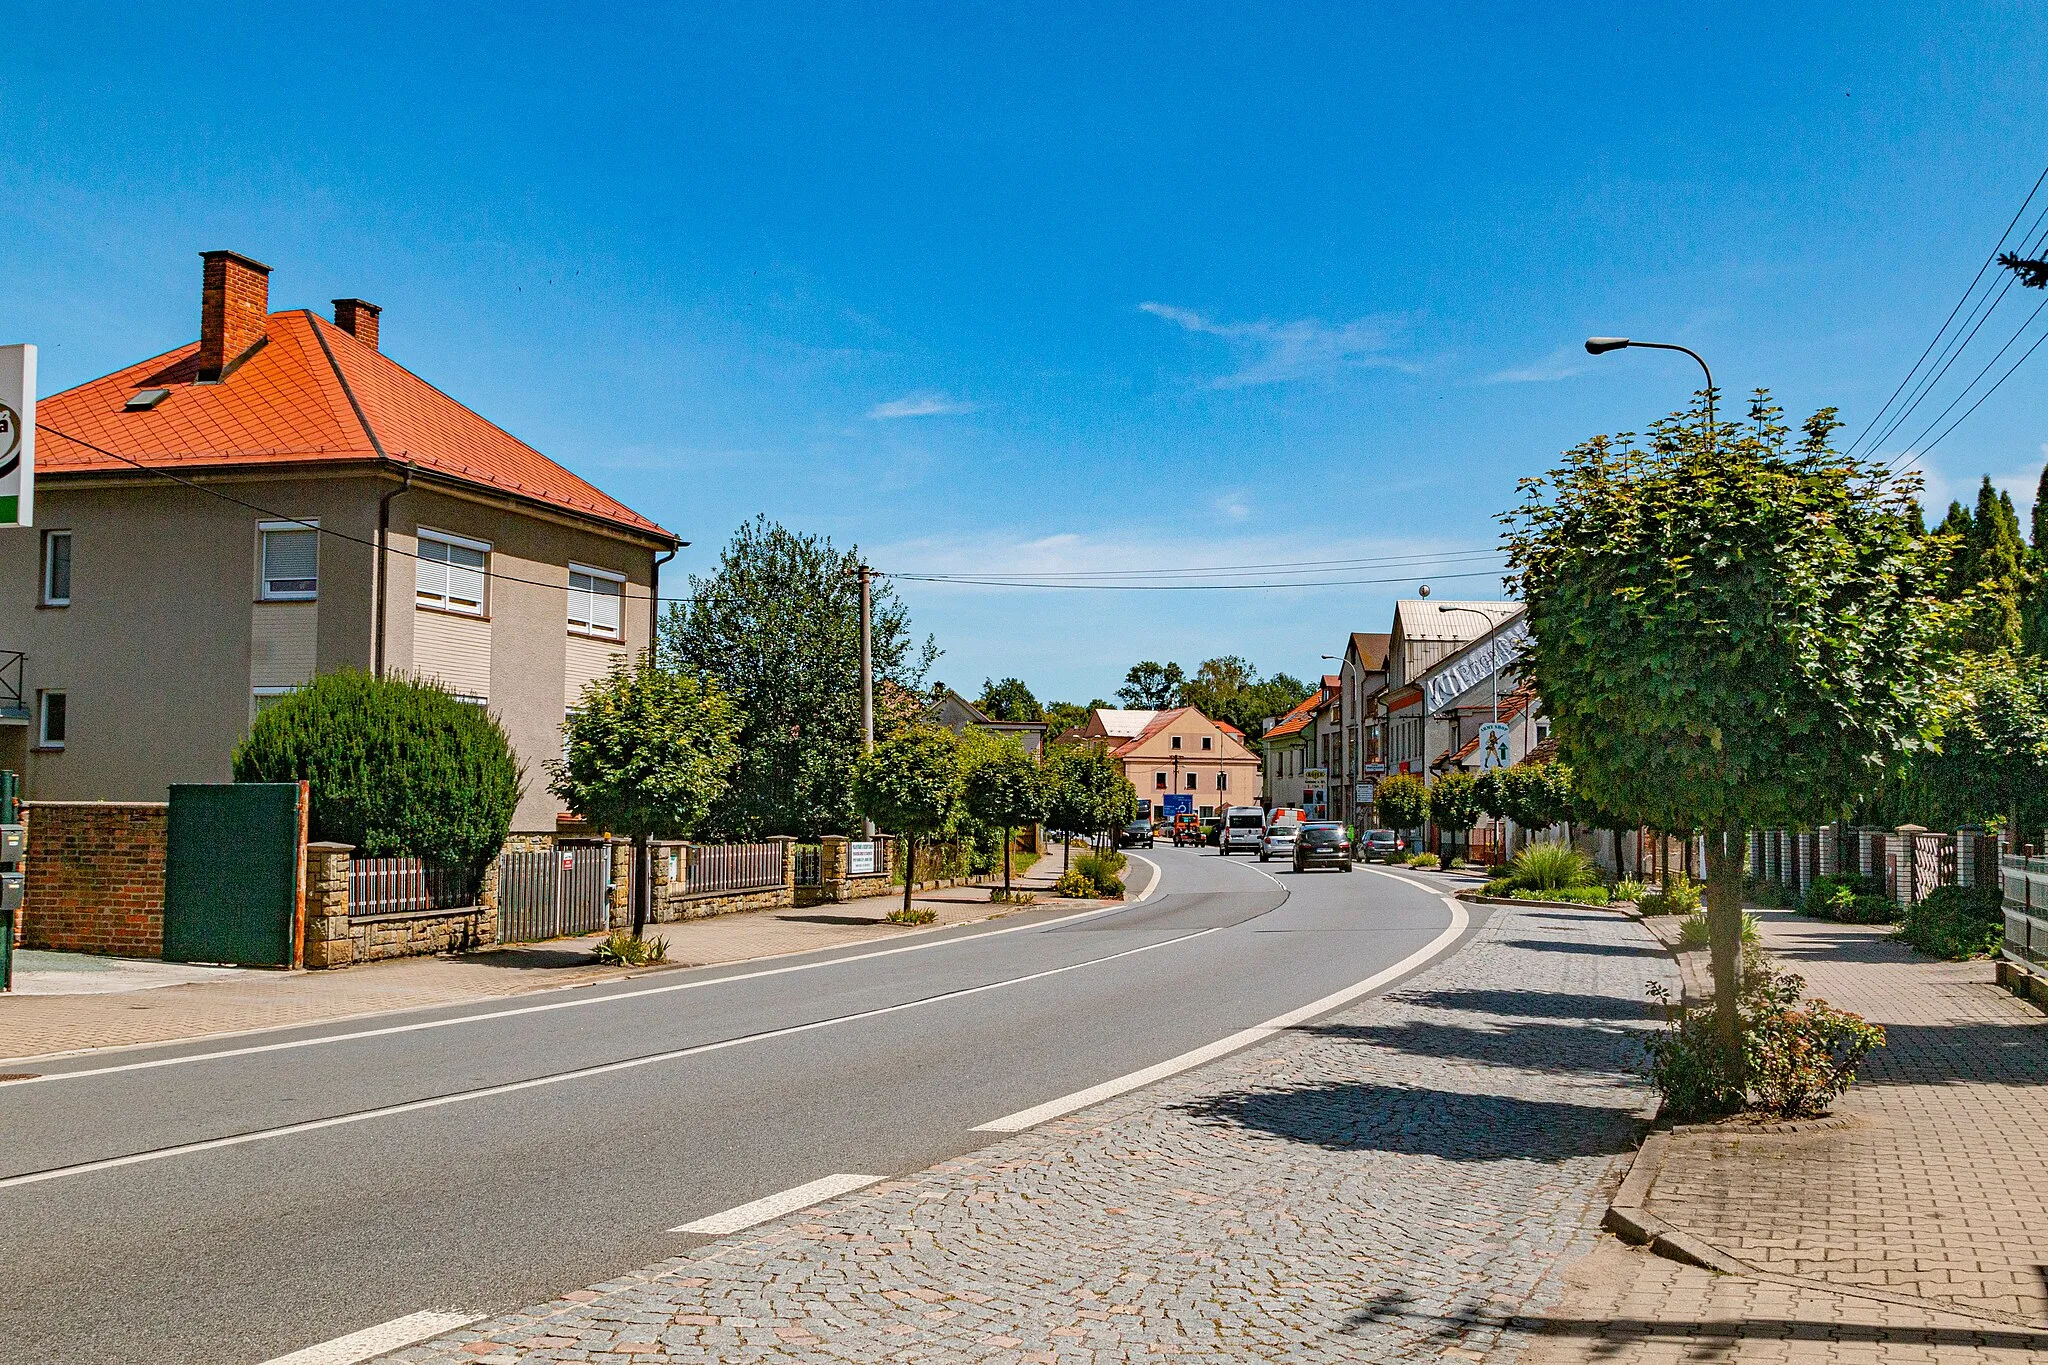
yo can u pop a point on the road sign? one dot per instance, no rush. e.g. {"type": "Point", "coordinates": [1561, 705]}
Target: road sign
{"type": "Point", "coordinates": [1177, 803]}
{"type": "Point", "coordinates": [1493, 746]}
{"type": "Point", "coordinates": [1315, 777]}
{"type": "Point", "coordinates": [1362, 794]}
{"type": "Point", "coordinates": [17, 435]}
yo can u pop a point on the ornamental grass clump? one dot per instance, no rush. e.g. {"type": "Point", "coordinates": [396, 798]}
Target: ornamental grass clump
{"type": "Point", "coordinates": [397, 767]}
{"type": "Point", "coordinates": [1552, 867]}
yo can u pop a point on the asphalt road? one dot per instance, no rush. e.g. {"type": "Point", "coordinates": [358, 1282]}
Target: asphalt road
{"type": "Point", "coordinates": [400, 1187]}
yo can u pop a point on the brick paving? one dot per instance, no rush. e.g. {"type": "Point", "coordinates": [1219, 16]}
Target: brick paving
{"type": "Point", "coordinates": [1933, 1195]}
{"type": "Point", "coordinates": [42, 1025]}
{"type": "Point", "coordinates": [1398, 1182]}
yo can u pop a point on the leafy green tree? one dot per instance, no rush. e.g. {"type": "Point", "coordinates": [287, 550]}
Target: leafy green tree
{"type": "Point", "coordinates": [1402, 801]}
{"type": "Point", "coordinates": [777, 626]}
{"type": "Point", "coordinates": [1992, 577]}
{"type": "Point", "coordinates": [648, 753]}
{"type": "Point", "coordinates": [1539, 795]}
{"type": "Point", "coordinates": [1490, 790]}
{"type": "Point", "coordinates": [1229, 689]}
{"type": "Point", "coordinates": [1728, 633]}
{"type": "Point", "coordinates": [1086, 792]}
{"type": "Point", "coordinates": [1005, 791]}
{"type": "Point", "coordinates": [2034, 613]}
{"type": "Point", "coordinates": [396, 766]}
{"type": "Point", "coordinates": [1152, 686]}
{"type": "Point", "coordinates": [1062, 716]}
{"type": "Point", "coordinates": [1009, 700]}
{"type": "Point", "coordinates": [1992, 756]}
{"type": "Point", "coordinates": [1957, 533]}
{"type": "Point", "coordinates": [1453, 802]}
{"type": "Point", "coordinates": [909, 784]}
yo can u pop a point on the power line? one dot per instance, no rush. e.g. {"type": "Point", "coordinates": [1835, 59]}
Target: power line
{"type": "Point", "coordinates": [624, 595]}
{"type": "Point", "coordinates": [1972, 289]}
{"type": "Point", "coordinates": [1988, 366]}
{"type": "Point", "coordinates": [1169, 587]}
{"type": "Point", "coordinates": [1979, 403]}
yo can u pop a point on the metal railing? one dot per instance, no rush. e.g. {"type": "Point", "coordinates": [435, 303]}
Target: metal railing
{"type": "Point", "coordinates": [731, 867]}
{"type": "Point", "coordinates": [554, 892]}
{"type": "Point", "coordinates": [809, 865]}
{"type": "Point", "coordinates": [397, 886]}
{"type": "Point", "coordinates": [2025, 884]}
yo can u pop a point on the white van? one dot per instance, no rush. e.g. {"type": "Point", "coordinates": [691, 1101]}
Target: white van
{"type": "Point", "coordinates": [1244, 827]}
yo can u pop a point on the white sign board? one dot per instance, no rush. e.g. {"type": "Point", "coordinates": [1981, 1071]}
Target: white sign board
{"type": "Point", "coordinates": [860, 858]}
{"type": "Point", "coordinates": [1363, 793]}
{"type": "Point", "coordinates": [1474, 666]}
{"type": "Point", "coordinates": [1493, 746]}
{"type": "Point", "coordinates": [17, 435]}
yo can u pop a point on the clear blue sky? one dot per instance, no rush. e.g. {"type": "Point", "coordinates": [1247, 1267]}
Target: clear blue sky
{"type": "Point", "coordinates": [1044, 288]}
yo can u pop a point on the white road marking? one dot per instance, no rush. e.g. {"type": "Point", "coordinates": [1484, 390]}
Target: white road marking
{"type": "Point", "coordinates": [1150, 886]}
{"type": "Point", "coordinates": [580, 1073]}
{"type": "Point", "coordinates": [375, 1341]}
{"type": "Point", "coordinates": [1095, 1094]}
{"type": "Point", "coordinates": [517, 1011]}
{"type": "Point", "coordinates": [776, 1205]}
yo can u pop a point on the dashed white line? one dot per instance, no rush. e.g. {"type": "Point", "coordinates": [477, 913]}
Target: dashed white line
{"type": "Point", "coordinates": [1095, 1094]}
{"type": "Point", "coordinates": [776, 1205]}
{"type": "Point", "coordinates": [375, 1341]}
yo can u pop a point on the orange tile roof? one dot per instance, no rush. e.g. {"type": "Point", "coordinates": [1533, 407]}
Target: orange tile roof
{"type": "Point", "coordinates": [1295, 721]}
{"type": "Point", "coordinates": [311, 393]}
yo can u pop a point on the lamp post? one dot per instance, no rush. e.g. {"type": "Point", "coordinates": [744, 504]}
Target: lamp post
{"type": "Point", "coordinates": [1329, 792]}
{"type": "Point", "coordinates": [1492, 626]}
{"type": "Point", "coordinates": [1602, 345]}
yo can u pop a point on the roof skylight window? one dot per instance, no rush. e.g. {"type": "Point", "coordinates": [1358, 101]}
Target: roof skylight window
{"type": "Point", "coordinates": [145, 400]}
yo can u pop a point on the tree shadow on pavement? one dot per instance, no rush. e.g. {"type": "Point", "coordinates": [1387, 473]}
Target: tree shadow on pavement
{"type": "Point", "coordinates": [1451, 1125]}
{"type": "Point", "coordinates": [1531, 1004]}
{"type": "Point", "coordinates": [1578, 1049]}
{"type": "Point", "coordinates": [1565, 945]}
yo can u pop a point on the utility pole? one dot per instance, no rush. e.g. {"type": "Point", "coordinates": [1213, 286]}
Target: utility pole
{"type": "Point", "coordinates": [867, 672]}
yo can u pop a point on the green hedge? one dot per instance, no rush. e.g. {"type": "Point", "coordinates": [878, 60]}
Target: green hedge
{"type": "Point", "coordinates": [398, 767]}
{"type": "Point", "coordinates": [1956, 923]}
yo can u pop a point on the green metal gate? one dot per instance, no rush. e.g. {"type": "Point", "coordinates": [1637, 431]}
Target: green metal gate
{"type": "Point", "coordinates": [231, 874]}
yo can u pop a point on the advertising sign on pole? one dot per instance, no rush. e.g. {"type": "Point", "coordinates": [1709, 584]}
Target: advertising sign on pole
{"type": "Point", "coordinates": [1493, 746]}
{"type": "Point", "coordinates": [17, 435]}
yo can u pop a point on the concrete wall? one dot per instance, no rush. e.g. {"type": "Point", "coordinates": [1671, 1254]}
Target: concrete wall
{"type": "Point", "coordinates": [95, 880]}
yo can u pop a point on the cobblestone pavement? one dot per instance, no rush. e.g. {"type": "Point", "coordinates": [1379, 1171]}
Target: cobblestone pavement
{"type": "Point", "coordinates": [1934, 1193]}
{"type": "Point", "coordinates": [1393, 1183]}
{"type": "Point", "coordinates": [42, 1025]}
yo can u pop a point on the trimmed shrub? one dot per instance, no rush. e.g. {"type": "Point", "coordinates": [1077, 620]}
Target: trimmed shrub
{"type": "Point", "coordinates": [1074, 884]}
{"type": "Point", "coordinates": [1680, 895]}
{"type": "Point", "coordinates": [1582, 895]}
{"type": "Point", "coordinates": [1797, 1058]}
{"type": "Point", "coordinates": [1956, 923]}
{"type": "Point", "coordinates": [1552, 867]}
{"type": "Point", "coordinates": [398, 767]}
{"type": "Point", "coordinates": [1500, 888]}
{"type": "Point", "coordinates": [1425, 860]}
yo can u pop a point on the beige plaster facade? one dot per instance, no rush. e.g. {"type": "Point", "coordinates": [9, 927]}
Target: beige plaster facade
{"type": "Point", "coordinates": [1183, 752]}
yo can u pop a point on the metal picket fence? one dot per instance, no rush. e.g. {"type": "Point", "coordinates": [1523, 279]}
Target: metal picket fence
{"type": "Point", "coordinates": [555, 892]}
{"type": "Point", "coordinates": [396, 886]}
{"type": "Point", "coordinates": [732, 867]}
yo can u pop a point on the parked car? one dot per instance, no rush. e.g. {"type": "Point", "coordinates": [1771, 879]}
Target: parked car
{"type": "Point", "coordinates": [1212, 828]}
{"type": "Point", "coordinates": [1279, 840]}
{"type": "Point", "coordinates": [1381, 845]}
{"type": "Point", "coordinates": [1137, 834]}
{"type": "Point", "coordinates": [1322, 843]}
{"type": "Point", "coordinates": [1243, 829]}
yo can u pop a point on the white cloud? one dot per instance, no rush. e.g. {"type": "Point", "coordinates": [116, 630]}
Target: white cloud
{"type": "Point", "coordinates": [1234, 505]}
{"type": "Point", "coordinates": [1565, 362]}
{"type": "Point", "coordinates": [926, 404]}
{"type": "Point", "coordinates": [1304, 348]}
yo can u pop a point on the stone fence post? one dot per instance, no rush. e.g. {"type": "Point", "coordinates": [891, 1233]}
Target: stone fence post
{"type": "Point", "coordinates": [832, 866]}
{"type": "Point", "coordinates": [621, 889]}
{"type": "Point", "coordinates": [327, 938]}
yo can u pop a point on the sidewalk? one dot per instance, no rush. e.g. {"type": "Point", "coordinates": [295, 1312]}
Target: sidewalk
{"type": "Point", "coordinates": [1913, 1224]}
{"type": "Point", "coordinates": [42, 1025]}
{"type": "Point", "coordinates": [1396, 1183]}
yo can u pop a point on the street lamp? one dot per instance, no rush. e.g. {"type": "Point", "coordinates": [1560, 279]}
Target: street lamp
{"type": "Point", "coordinates": [1602, 345]}
{"type": "Point", "coordinates": [1493, 625]}
{"type": "Point", "coordinates": [1329, 796]}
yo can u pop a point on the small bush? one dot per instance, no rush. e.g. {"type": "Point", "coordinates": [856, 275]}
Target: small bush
{"type": "Point", "coordinates": [1456, 863]}
{"type": "Point", "coordinates": [1501, 888]}
{"type": "Point", "coordinates": [1101, 867]}
{"type": "Point", "coordinates": [1074, 884]}
{"type": "Point", "coordinates": [916, 914]}
{"type": "Point", "coordinates": [1693, 932]}
{"type": "Point", "coordinates": [1800, 1056]}
{"type": "Point", "coordinates": [1013, 897]}
{"type": "Point", "coordinates": [1580, 895]}
{"type": "Point", "coordinates": [1680, 895]}
{"type": "Point", "coordinates": [1422, 860]}
{"type": "Point", "coordinates": [1956, 923]}
{"type": "Point", "coordinates": [1627, 890]}
{"type": "Point", "coordinates": [1768, 894]}
{"type": "Point", "coordinates": [1797, 1057]}
{"type": "Point", "coordinates": [398, 767]}
{"type": "Point", "coordinates": [1552, 867]}
{"type": "Point", "coordinates": [621, 949]}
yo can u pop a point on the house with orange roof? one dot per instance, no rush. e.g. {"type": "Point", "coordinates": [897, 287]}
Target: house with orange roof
{"type": "Point", "coordinates": [218, 523]}
{"type": "Point", "coordinates": [1203, 765]}
{"type": "Point", "coordinates": [1295, 750]}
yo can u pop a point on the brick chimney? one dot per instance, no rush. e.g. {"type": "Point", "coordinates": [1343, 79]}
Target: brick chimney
{"type": "Point", "coordinates": [234, 309]}
{"type": "Point", "coordinates": [358, 318]}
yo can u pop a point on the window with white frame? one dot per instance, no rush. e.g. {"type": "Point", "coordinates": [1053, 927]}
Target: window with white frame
{"type": "Point", "coordinates": [452, 572]}
{"type": "Point", "coordinates": [261, 699]}
{"type": "Point", "coordinates": [56, 568]}
{"type": "Point", "coordinates": [289, 553]}
{"type": "Point", "coordinates": [595, 596]}
{"type": "Point", "coordinates": [1194, 781]}
{"type": "Point", "coordinates": [51, 718]}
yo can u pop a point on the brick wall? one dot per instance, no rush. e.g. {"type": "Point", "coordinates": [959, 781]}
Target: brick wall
{"type": "Point", "coordinates": [96, 877]}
